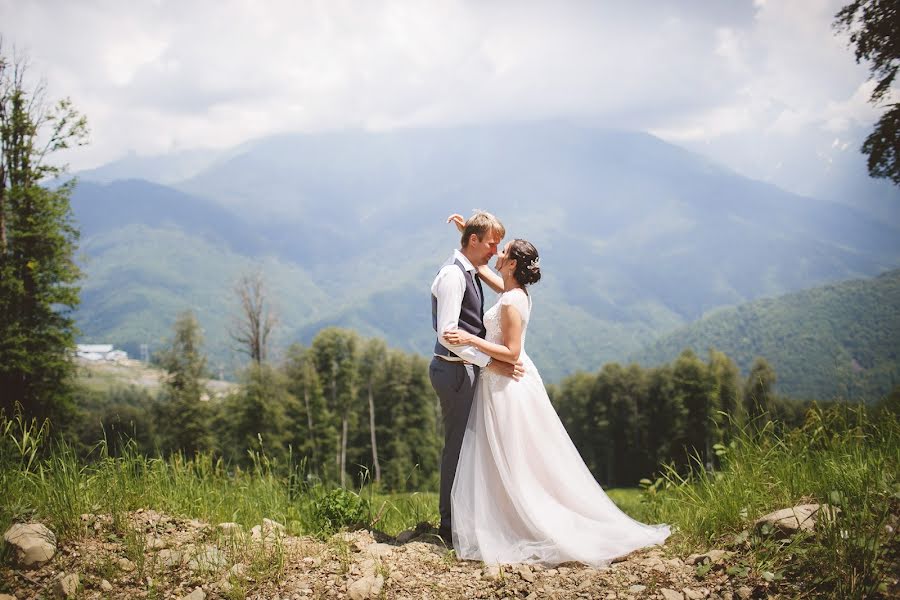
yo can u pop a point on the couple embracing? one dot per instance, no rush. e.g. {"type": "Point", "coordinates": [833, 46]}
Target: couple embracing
{"type": "Point", "coordinates": [513, 487]}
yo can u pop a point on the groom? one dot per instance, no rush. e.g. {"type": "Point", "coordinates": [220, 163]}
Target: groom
{"type": "Point", "coordinates": [457, 302]}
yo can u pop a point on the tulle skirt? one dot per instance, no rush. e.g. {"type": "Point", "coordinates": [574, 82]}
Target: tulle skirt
{"type": "Point", "coordinates": [522, 493]}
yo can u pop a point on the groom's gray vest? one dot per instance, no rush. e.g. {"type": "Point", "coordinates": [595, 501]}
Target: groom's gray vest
{"type": "Point", "coordinates": [470, 314]}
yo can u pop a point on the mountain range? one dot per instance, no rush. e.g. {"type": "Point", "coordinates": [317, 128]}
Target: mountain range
{"type": "Point", "coordinates": [637, 237]}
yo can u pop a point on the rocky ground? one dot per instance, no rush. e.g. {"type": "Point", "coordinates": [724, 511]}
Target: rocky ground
{"type": "Point", "coordinates": [146, 554]}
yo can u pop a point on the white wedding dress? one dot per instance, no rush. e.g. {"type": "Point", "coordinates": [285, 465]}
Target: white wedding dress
{"type": "Point", "coordinates": [522, 493]}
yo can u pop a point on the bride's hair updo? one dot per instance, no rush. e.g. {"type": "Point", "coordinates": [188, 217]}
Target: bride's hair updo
{"type": "Point", "coordinates": [528, 264]}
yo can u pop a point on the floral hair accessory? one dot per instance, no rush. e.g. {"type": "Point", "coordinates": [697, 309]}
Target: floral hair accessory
{"type": "Point", "coordinates": [535, 265]}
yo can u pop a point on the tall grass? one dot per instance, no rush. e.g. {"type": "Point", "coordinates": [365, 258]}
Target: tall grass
{"type": "Point", "coordinates": [45, 479]}
{"type": "Point", "coordinates": [843, 457]}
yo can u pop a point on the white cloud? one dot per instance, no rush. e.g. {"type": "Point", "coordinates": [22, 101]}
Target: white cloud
{"type": "Point", "coordinates": [154, 76]}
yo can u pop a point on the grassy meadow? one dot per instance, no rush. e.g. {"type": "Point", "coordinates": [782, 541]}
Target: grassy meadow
{"type": "Point", "coordinates": [844, 456]}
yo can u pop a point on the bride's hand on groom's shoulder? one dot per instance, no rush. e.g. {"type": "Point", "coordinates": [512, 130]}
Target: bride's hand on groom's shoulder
{"type": "Point", "coordinates": [457, 220]}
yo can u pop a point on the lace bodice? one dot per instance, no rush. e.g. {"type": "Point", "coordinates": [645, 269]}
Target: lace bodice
{"type": "Point", "coordinates": [517, 298]}
{"type": "Point", "coordinates": [522, 301]}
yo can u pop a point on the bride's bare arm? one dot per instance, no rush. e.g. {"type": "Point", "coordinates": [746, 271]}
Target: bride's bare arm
{"type": "Point", "coordinates": [509, 350]}
{"type": "Point", "coordinates": [492, 279]}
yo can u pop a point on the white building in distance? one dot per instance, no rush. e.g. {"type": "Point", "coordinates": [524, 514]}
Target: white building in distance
{"type": "Point", "coordinates": [99, 352]}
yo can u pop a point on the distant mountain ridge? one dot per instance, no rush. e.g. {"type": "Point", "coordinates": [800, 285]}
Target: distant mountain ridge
{"type": "Point", "coordinates": [835, 341]}
{"type": "Point", "coordinates": [638, 237]}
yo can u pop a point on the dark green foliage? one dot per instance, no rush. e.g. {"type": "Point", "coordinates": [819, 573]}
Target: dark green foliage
{"type": "Point", "coordinates": [184, 404]}
{"type": "Point", "coordinates": [627, 422]}
{"type": "Point", "coordinates": [758, 392]}
{"type": "Point", "coordinates": [874, 27]}
{"type": "Point", "coordinates": [834, 342]}
{"type": "Point", "coordinates": [37, 240]}
{"type": "Point", "coordinates": [339, 509]}
{"type": "Point", "coordinates": [695, 388]}
{"type": "Point", "coordinates": [119, 416]}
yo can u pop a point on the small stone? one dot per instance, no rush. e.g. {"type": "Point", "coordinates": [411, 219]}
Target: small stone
{"type": "Point", "coordinates": [66, 586]}
{"type": "Point", "coordinates": [224, 586]}
{"type": "Point", "coordinates": [379, 550]}
{"type": "Point", "coordinates": [169, 558]}
{"type": "Point", "coordinates": [33, 543]}
{"type": "Point", "coordinates": [367, 587]}
{"type": "Point", "coordinates": [197, 594]}
{"type": "Point", "coordinates": [491, 572]}
{"type": "Point", "coordinates": [525, 573]}
{"type": "Point", "coordinates": [154, 542]}
{"type": "Point", "coordinates": [699, 594]}
{"type": "Point", "coordinates": [105, 585]}
{"type": "Point", "coordinates": [397, 576]}
{"type": "Point", "coordinates": [126, 565]}
{"type": "Point", "coordinates": [238, 569]}
{"type": "Point", "coordinates": [798, 518]}
{"type": "Point", "coordinates": [637, 589]}
{"type": "Point", "coordinates": [7, 597]}
{"type": "Point", "coordinates": [744, 592]}
{"type": "Point", "coordinates": [208, 559]}
{"type": "Point", "coordinates": [230, 528]}
{"type": "Point", "coordinates": [671, 594]}
{"type": "Point", "coordinates": [270, 525]}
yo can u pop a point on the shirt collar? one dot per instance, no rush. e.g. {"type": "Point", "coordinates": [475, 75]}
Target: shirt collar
{"type": "Point", "coordinates": [465, 261]}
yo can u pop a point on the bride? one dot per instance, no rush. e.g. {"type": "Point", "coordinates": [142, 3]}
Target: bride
{"type": "Point", "coordinates": [522, 493]}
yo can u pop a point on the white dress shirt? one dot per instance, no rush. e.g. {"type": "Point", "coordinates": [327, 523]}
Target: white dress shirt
{"type": "Point", "coordinates": [449, 287]}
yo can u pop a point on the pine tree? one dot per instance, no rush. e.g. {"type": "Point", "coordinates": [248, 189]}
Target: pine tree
{"type": "Point", "coordinates": [335, 352]}
{"type": "Point", "coordinates": [696, 386]}
{"type": "Point", "coordinates": [727, 390]}
{"type": "Point", "coordinates": [758, 394]}
{"type": "Point", "coordinates": [186, 418]}
{"type": "Point", "coordinates": [38, 238]}
{"type": "Point", "coordinates": [313, 425]}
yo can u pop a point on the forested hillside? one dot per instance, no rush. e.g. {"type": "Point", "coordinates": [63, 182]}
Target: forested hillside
{"type": "Point", "coordinates": [830, 342]}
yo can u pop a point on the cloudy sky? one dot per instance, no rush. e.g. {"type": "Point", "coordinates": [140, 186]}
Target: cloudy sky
{"type": "Point", "coordinates": [764, 86]}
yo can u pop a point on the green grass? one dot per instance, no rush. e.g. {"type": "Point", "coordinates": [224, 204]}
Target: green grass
{"type": "Point", "coordinates": [843, 457]}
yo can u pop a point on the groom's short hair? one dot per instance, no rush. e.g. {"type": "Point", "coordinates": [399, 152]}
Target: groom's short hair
{"type": "Point", "coordinates": [482, 223]}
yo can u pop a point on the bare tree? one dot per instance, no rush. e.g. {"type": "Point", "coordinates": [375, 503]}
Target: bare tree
{"type": "Point", "coordinates": [256, 319]}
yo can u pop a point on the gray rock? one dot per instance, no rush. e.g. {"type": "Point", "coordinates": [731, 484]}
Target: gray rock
{"type": "Point", "coordinates": [105, 585]}
{"type": "Point", "coordinates": [7, 597]}
{"type": "Point", "coordinates": [491, 572]}
{"type": "Point", "coordinates": [367, 587]}
{"type": "Point", "coordinates": [197, 594]}
{"type": "Point", "coordinates": [33, 544]}
{"type": "Point", "coordinates": [637, 589]}
{"type": "Point", "coordinates": [709, 556]}
{"type": "Point", "coordinates": [230, 528]}
{"type": "Point", "coordinates": [126, 565]}
{"type": "Point", "coordinates": [788, 521]}
{"type": "Point", "coordinates": [379, 550]}
{"type": "Point", "coordinates": [744, 592]}
{"type": "Point", "coordinates": [671, 594]}
{"type": "Point", "coordinates": [525, 573]}
{"type": "Point", "coordinates": [66, 585]}
{"type": "Point", "coordinates": [170, 558]}
{"type": "Point", "coordinates": [698, 594]}
{"type": "Point", "coordinates": [208, 559]}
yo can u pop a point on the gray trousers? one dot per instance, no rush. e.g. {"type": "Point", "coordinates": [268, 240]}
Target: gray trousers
{"type": "Point", "coordinates": [454, 383]}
